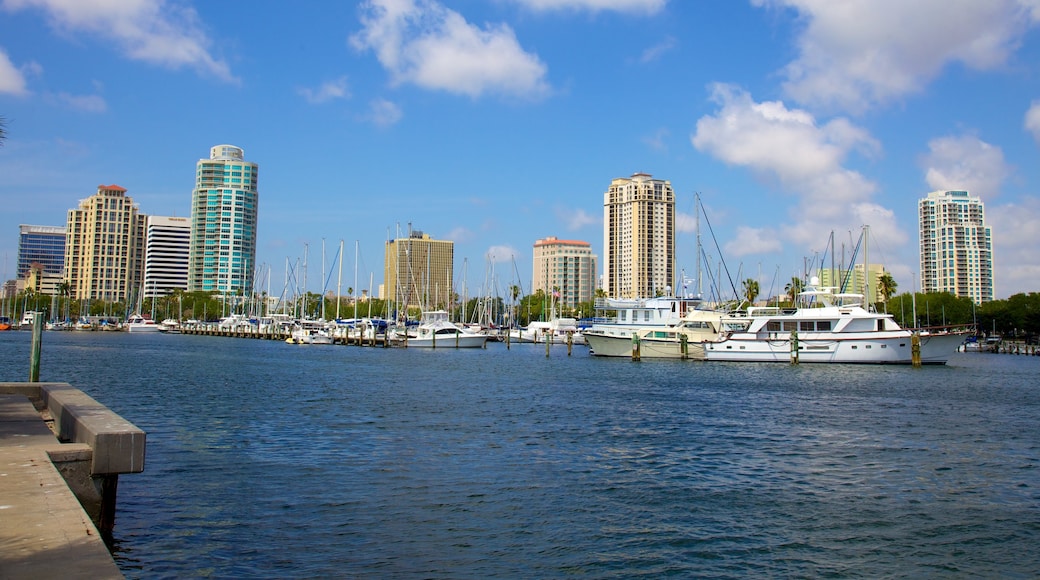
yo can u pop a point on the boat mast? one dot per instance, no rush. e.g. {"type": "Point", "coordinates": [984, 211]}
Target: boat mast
{"type": "Point", "coordinates": [339, 278]}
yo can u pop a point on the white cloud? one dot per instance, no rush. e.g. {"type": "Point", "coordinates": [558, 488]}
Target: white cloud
{"type": "Point", "coordinates": [631, 6]}
{"type": "Point", "coordinates": [750, 240]}
{"type": "Point", "coordinates": [162, 32]}
{"type": "Point", "coordinates": [857, 54]}
{"type": "Point", "coordinates": [789, 148]}
{"type": "Point", "coordinates": [334, 89]}
{"type": "Point", "coordinates": [425, 44]}
{"type": "Point", "coordinates": [86, 103]}
{"type": "Point", "coordinates": [1032, 121]}
{"type": "Point", "coordinates": [685, 223]}
{"type": "Point", "coordinates": [1016, 264]}
{"type": "Point", "coordinates": [577, 219]}
{"type": "Point", "coordinates": [12, 81]}
{"type": "Point", "coordinates": [460, 234]}
{"type": "Point", "coordinates": [384, 113]}
{"type": "Point", "coordinates": [501, 254]}
{"type": "Point", "coordinates": [656, 51]}
{"type": "Point", "coordinates": [965, 163]}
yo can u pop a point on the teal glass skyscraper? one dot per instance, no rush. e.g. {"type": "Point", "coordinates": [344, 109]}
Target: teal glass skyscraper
{"type": "Point", "coordinates": [222, 253]}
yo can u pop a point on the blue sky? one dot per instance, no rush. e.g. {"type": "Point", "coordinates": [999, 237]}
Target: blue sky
{"type": "Point", "coordinates": [494, 123]}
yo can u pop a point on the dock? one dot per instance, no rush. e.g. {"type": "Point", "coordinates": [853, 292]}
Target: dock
{"type": "Point", "coordinates": [61, 453]}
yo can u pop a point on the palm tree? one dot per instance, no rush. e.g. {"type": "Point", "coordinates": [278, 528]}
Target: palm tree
{"type": "Point", "coordinates": [886, 288]}
{"type": "Point", "coordinates": [751, 290]}
{"type": "Point", "coordinates": [793, 288]}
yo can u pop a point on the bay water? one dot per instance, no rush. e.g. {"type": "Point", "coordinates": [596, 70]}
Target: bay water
{"type": "Point", "coordinates": [272, 460]}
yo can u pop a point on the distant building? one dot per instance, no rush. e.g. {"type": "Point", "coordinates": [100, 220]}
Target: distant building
{"type": "Point", "coordinates": [167, 240]}
{"type": "Point", "coordinates": [104, 247]}
{"type": "Point", "coordinates": [43, 245]}
{"type": "Point", "coordinates": [565, 269]}
{"type": "Point", "coordinates": [42, 282]}
{"type": "Point", "coordinates": [418, 272]}
{"type": "Point", "coordinates": [853, 280]}
{"type": "Point", "coordinates": [639, 237]}
{"type": "Point", "coordinates": [956, 246]}
{"type": "Point", "coordinates": [224, 205]}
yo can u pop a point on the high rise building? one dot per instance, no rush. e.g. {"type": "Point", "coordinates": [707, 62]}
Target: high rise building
{"type": "Point", "coordinates": [43, 245]}
{"type": "Point", "coordinates": [566, 270]}
{"type": "Point", "coordinates": [418, 271]}
{"type": "Point", "coordinates": [956, 246]}
{"type": "Point", "coordinates": [167, 240]}
{"type": "Point", "coordinates": [639, 237]}
{"type": "Point", "coordinates": [104, 247]}
{"type": "Point", "coordinates": [222, 255]}
{"type": "Point", "coordinates": [852, 280]}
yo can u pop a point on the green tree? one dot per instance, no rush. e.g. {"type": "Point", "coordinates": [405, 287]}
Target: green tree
{"type": "Point", "coordinates": [751, 290]}
{"type": "Point", "coordinates": [886, 288]}
{"type": "Point", "coordinates": [793, 288]}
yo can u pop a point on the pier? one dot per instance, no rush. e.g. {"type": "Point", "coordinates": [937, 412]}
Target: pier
{"type": "Point", "coordinates": [61, 454]}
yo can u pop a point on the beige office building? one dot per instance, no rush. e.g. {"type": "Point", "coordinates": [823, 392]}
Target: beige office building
{"type": "Point", "coordinates": [639, 237]}
{"type": "Point", "coordinates": [566, 270]}
{"type": "Point", "coordinates": [956, 246]}
{"type": "Point", "coordinates": [104, 247]}
{"type": "Point", "coordinates": [418, 272]}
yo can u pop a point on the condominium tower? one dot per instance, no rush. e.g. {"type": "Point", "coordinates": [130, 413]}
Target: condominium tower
{"type": "Point", "coordinates": [639, 237]}
{"type": "Point", "coordinates": [956, 246]}
{"type": "Point", "coordinates": [418, 271]}
{"type": "Point", "coordinates": [566, 270]}
{"type": "Point", "coordinates": [167, 240]}
{"type": "Point", "coordinates": [104, 247]}
{"type": "Point", "coordinates": [43, 245]}
{"type": "Point", "coordinates": [222, 255]}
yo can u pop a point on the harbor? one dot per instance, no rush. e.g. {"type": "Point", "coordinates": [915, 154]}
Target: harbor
{"type": "Point", "coordinates": [268, 460]}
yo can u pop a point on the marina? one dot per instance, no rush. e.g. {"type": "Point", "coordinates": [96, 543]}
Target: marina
{"type": "Point", "coordinates": [265, 460]}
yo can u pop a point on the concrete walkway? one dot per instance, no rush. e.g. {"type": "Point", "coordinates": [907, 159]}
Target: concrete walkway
{"type": "Point", "coordinates": [44, 531]}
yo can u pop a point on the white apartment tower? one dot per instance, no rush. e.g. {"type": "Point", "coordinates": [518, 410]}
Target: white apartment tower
{"type": "Point", "coordinates": [224, 204]}
{"type": "Point", "coordinates": [639, 237]}
{"type": "Point", "coordinates": [565, 270]}
{"type": "Point", "coordinates": [167, 241]}
{"type": "Point", "coordinates": [956, 246]}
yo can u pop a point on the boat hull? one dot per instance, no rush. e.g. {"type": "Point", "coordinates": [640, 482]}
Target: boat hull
{"type": "Point", "coordinates": [447, 341]}
{"type": "Point", "coordinates": [618, 346]}
{"type": "Point", "coordinates": [851, 349]}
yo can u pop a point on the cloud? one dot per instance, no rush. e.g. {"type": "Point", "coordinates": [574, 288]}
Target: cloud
{"type": "Point", "coordinates": [654, 52]}
{"type": "Point", "coordinates": [384, 113]}
{"type": "Point", "coordinates": [630, 6]}
{"type": "Point", "coordinates": [12, 81]}
{"type": "Point", "coordinates": [789, 148]}
{"type": "Point", "coordinates": [86, 103]}
{"type": "Point", "coordinates": [1032, 121]}
{"type": "Point", "coordinates": [1016, 265]}
{"type": "Point", "coordinates": [162, 32]}
{"type": "Point", "coordinates": [423, 43]}
{"type": "Point", "coordinates": [460, 234]}
{"type": "Point", "coordinates": [501, 254]}
{"type": "Point", "coordinates": [750, 240]}
{"type": "Point", "coordinates": [576, 219]}
{"type": "Point", "coordinates": [658, 141]}
{"type": "Point", "coordinates": [965, 163]}
{"type": "Point", "coordinates": [334, 89]}
{"type": "Point", "coordinates": [857, 54]}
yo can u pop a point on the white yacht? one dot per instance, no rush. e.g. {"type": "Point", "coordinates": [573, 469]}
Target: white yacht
{"type": "Point", "coordinates": [138, 323]}
{"type": "Point", "coordinates": [435, 330]}
{"type": "Point", "coordinates": [558, 331]}
{"type": "Point", "coordinates": [825, 327]}
{"type": "Point", "coordinates": [683, 340]}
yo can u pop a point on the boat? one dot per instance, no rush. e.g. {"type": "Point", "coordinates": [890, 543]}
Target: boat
{"type": "Point", "coordinates": [170, 326]}
{"type": "Point", "coordinates": [309, 335]}
{"type": "Point", "coordinates": [684, 340]}
{"type": "Point", "coordinates": [5, 323]}
{"type": "Point", "coordinates": [826, 327]}
{"type": "Point", "coordinates": [556, 331]}
{"type": "Point", "coordinates": [138, 323]}
{"type": "Point", "coordinates": [436, 330]}
{"type": "Point", "coordinates": [27, 319]}
{"type": "Point", "coordinates": [634, 315]}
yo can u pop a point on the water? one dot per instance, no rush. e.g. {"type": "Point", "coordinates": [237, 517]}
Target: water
{"type": "Point", "coordinates": [271, 460]}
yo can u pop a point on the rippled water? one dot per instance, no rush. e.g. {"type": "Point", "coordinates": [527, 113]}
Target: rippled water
{"type": "Point", "coordinates": [271, 460]}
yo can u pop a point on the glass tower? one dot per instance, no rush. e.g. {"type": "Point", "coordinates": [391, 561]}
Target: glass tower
{"type": "Point", "coordinates": [222, 254]}
{"type": "Point", "coordinates": [44, 245]}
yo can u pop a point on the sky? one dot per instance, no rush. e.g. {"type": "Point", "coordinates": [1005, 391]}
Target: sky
{"type": "Point", "coordinates": [495, 123]}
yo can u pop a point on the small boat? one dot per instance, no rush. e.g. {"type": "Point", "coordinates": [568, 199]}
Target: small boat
{"type": "Point", "coordinates": [435, 330]}
{"type": "Point", "coordinates": [27, 319]}
{"type": "Point", "coordinates": [310, 332]}
{"type": "Point", "coordinates": [5, 323]}
{"type": "Point", "coordinates": [138, 323]}
{"type": "Point", "coordinates": [556, 331]}
{"type": "Point", "coordinates": [170, 326]}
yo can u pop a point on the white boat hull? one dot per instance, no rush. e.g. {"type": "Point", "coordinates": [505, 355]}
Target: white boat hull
{"type": "Point", "coordinates": [859, 348]}
{"type": "Point", "coordinates": [618, 346]}
{"type": "Point", "coordinates": [448, 341]}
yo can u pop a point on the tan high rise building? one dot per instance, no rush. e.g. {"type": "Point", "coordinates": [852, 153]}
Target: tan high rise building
{"type": "Point", "coordinates": [565, 269]}
{"type": "Point", "coordinates": [418, 272]}
{"type": "Point", "coordinates": [104, 247]}
{"type": "Point", "coordinates": [639, 237]}
{"type": "Point", "coordinates": [956, 246]}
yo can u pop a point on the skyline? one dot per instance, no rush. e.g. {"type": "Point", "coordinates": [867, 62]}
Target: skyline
{"type": "Point", "coordinates": [496, 124]}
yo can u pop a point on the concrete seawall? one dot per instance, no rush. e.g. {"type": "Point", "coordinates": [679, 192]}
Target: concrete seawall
{"type": "Point", "coordinates": [61, 453]}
